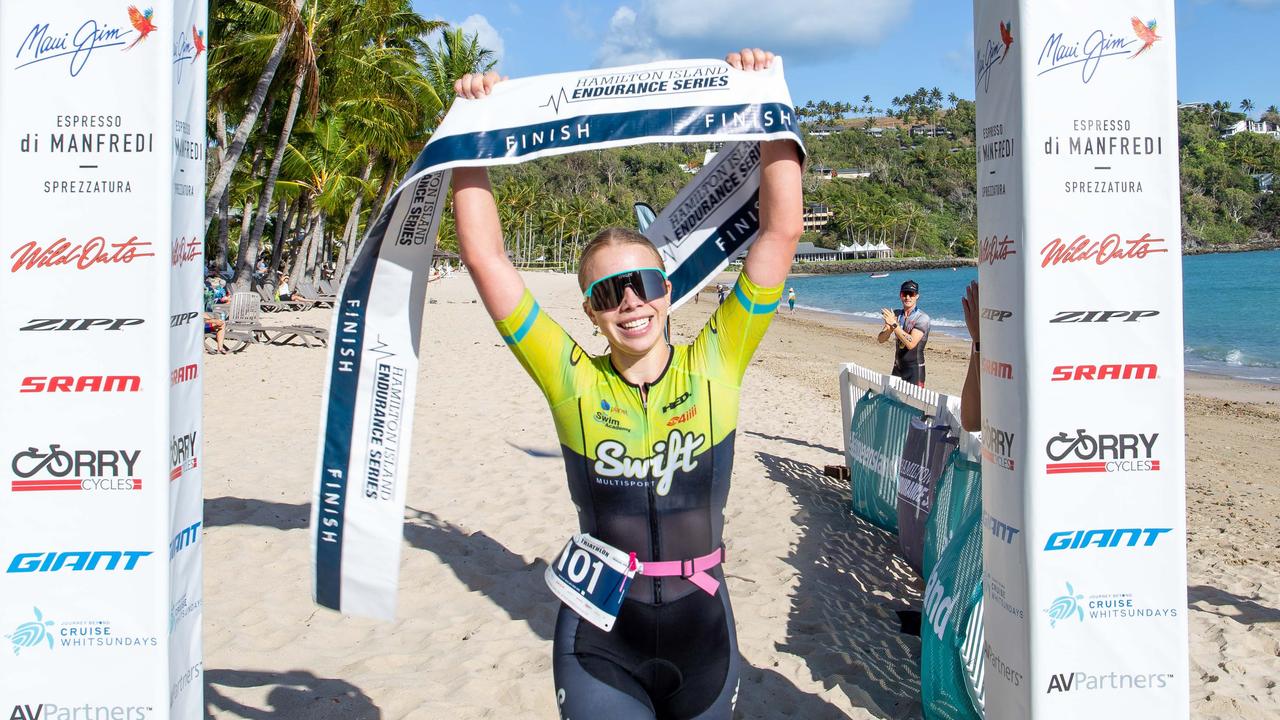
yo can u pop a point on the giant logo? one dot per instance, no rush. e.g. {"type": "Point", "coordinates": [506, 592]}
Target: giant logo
{"type": "Point", "coordinates": [76, 561]}
{"type": "Point", "coordinates": [59, 469]}
{"type": "Point", "coordinates": [97, 251]}
{"type": "Point", "coordinates": [1105, 538]}
{"type": "Point", "coordinates": [1002, 531]}
{"type": "Point", "coordinates": [80, 383]}
{"type": "Point", "coordinates": [1114, 371]}
{"type": "Point", "coordinates": [1100, 252]}
{"type": "Point", "coordinates": [1125, 452]}
{"type": "Point", "coordinates": [185, 538]}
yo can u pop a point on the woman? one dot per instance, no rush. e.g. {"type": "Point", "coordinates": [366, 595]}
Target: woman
{"type": "Point", "coordinates": [647, 433]}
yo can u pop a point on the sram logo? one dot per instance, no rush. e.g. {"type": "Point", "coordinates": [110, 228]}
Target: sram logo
{"type": "Point", "coordinates": [1103, 316]}
{"type": "Point", "coordinates": [1117, 371]}
{"type": "Point", "coordinates": [73, 324]}
{"type": "Point", "coordinates": [80, 383]}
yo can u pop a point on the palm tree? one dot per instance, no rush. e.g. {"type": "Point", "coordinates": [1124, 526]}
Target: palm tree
{"type": "Point", "coordinates": [1246, 105]}
{"type": "Point", "coordinates": [455, 55]}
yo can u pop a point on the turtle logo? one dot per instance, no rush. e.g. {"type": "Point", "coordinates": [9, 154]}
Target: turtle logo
{"type": "Point", "coordinates": [1065, 606]}
{"type": "Point", "coordinates": [30, 634]}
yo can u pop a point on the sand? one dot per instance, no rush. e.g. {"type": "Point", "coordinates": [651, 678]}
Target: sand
{"type": "Point", "coordinates": [814, 590]}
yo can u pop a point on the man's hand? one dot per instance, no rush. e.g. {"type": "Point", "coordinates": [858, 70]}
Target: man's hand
{"type": "Point", "coordinates": [749, 59]}
{"type": "Point", "coordinates": [971, 309]}
{"type": "Point", "coordinates": [889, 318]}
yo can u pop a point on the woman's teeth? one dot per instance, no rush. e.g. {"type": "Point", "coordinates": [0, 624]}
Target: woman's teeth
{"type": "Point", "coordinates": [636, 324]}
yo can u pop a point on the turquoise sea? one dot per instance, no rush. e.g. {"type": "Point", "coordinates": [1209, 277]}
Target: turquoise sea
{"type": "Point", "coordinates": [1231, 306]}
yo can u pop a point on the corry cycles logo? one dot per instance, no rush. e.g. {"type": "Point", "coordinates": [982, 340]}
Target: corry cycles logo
{"type": "Point", "coordinates": [58, 469]}
{"type": "Point", "coordinates": [1073, 608]}
{"type": "Point", "coordinates": [991, 55]}
{"type": "Point", "coordinates": [182, 454]}
{"type": "Point", "coordinates": [185, 250]}
{"type": "Point", "coordinates": [1101, 252]}
{"type": "Point", "coordinates": [1091, 50]}
{"type": "Point", "coordinates": [641, 83]}
{"type": "Point", "coordinates": [669, 456]}
{"type": "Point", "coordinates": [994, 249]}
{"type": "Point", "coordinates": [1126, 452]}
{"type": "Point", "coordinates": [997, 446]}
{"type": "Point", "coordinates": [1113, 371]}
{"type": "Point", "coordinates": [96, 251]}
{"type": "Point", "coordinates": [44, 43]}
{"type": "Point", "coordinates": [39, 633]}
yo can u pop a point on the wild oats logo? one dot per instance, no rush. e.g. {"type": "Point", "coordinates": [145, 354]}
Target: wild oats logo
{"type": "Point", "coordinates": [641, 83]}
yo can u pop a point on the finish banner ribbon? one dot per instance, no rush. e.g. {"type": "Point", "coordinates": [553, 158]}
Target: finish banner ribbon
{"type": "Point", "coordinates": [357, 509]}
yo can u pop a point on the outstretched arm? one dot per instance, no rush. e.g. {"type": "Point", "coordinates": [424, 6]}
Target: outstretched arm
{"type": "Point", "coordinates": [781, 203]}
{"type": "Point", "coordinates": [971, 393]}
{"type": "Point", "coordinates": [480, 242]}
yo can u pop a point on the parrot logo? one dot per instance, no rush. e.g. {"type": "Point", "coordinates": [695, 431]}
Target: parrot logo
{"type": "Point", "coordinates": [1006, 37]}
{"type": "Point", "coordinates": [197, 37]}
{"type": "Point", "coordinates": [141, 21]}
{"type": "Point", "coordinates": [1146, 32]}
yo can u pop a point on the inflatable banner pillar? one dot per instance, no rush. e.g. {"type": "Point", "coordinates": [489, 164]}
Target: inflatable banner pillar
{"type": "Point", "coordinates": [1082, 387]}
{"type": "Point", "coordinates": [102, 165]}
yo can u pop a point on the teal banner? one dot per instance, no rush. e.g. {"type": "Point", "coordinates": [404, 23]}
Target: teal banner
{"type": "Point", "coordinates": [877, 433]}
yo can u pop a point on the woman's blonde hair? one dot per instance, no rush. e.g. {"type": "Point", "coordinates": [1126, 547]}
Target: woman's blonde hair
{"type": "Point", "coordinates": [608, 237]}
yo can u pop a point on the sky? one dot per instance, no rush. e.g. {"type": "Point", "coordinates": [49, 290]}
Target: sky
{"type": "Point", "coordinates": [843, 49]}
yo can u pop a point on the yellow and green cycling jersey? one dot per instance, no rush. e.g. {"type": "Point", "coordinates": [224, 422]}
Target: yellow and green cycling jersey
{"type": "Point", "coordinates": [649, 467]}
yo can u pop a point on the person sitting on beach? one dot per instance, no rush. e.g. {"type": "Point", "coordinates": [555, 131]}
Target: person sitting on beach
{"type": "Point", "coordinates": [218, 326]}
{"type": "Point", "coordinates": [284, 292]}
{"type": "Point", "coordinates": [909, 327]}
{"type": "Point", "coordinates": [647, 434]}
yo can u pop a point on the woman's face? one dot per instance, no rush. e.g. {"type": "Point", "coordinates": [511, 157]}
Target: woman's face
{"type": "Point", "coordinates": [636, 326]}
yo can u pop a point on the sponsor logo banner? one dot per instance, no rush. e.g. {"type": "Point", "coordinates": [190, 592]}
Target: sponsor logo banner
{"type": "Point", "coordinates": [1086, 681]}
{"type": "Point", "coordinates": [40, 633]}
{"type": "Point", "coordinates": [1072, 608]}
{"type": "Point", "coordinates": [1104, 538]}
{"type": "Point", "coordinates": [1101, 453]}
{"type": "Point", "coordinates": [78, 324]}
{"type": "Point", "coordinates": [80, 383]}
{"type": "Point", "coordinates": [57, 469]}
{"type": "Point", "coordinates": [1113, 371]}
{"type": "Point", "coordinates": [76, 561]}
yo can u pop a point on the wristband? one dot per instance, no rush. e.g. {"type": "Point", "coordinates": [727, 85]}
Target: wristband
{"type": "Point", "coordinates": [893, 326]}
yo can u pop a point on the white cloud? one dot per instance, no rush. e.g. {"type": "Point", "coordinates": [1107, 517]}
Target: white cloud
{"type": "Point", "coordinates": [487, 35]}
{"type": "Point", "coordinates": [809, 31]}
{"type": "Point", "coordinates": [576, 19]}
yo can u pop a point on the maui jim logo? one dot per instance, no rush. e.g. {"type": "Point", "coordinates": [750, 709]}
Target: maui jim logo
{"type": "Point", "coordinates": [670, 455]}
{"type": "Point", "coordinates": [992, 55]}
{"type": "Point", "coordinates": [1090, 51]}
{"type": "Point", "coordinates": [44, 43]}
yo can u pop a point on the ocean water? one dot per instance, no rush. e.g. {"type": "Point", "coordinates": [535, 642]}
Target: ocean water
{"type": "Point", "coordinates": [1231, 307]}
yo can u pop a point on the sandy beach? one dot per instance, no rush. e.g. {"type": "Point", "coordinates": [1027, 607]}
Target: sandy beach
{"type": "Point", "coordinates": [814, 590]}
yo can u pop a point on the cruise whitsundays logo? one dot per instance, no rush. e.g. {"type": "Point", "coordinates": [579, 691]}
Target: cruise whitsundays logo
{"type": "Point", "coordinates": [1065, 607]}
{"type": "Point", "coordinates": [31, 634]}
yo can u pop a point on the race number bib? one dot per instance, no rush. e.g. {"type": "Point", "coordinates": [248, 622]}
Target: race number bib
{"type": "Point", "coordinates": [592, 579]}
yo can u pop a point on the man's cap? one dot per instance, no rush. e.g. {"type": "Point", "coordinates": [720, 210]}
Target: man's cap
{"type": "Point", "coordinates": [910, 286]}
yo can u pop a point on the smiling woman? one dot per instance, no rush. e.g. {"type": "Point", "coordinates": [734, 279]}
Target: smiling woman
{"type": "Point", "coordinates": [647, 433]}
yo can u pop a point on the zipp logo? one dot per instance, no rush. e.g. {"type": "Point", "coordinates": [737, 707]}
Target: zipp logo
{"type": "Point", "coordinates": [76, 324]}
{"type": "Point", "coordinates": [1127, 371]}
{"type": "Point", "coordinates": [996, 314]}
{"type": "Point", "coordinates": [1103, 316]}
{"type": "Point", "coordinates": [182, 318]}
{"type": "Point", "coordinates": [80, 383]}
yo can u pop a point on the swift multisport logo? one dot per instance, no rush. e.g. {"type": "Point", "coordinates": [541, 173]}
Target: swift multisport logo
{"type": "Point", "coordinates": [670, 455]}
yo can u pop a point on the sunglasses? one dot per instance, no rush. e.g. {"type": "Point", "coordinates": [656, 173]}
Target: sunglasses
{"type": "Point", "coordinates": [908, 293]}
{"type": "Point", "coordinates": [606, 293]}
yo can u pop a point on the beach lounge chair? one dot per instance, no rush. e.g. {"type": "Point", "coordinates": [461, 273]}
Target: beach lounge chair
{"type": "Point", "coordinates": [244, 318]}
{"type": "Point", "coordinates": [272, 305]}
{"type": "Point", "coordinates": [321, 299]}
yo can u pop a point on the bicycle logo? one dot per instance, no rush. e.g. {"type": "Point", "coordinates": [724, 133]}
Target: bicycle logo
{"type": "Point", "coordinates": [1084, 446]}
{"type": "Point", "coordinates": [56, 460]}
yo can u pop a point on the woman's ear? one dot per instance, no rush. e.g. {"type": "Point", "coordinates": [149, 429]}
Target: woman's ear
{"type": "Point", "coordinates": [586, 309]}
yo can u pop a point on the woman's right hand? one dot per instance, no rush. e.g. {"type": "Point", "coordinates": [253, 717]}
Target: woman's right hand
{"type": "Point", "coordinates": [473, 86]}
